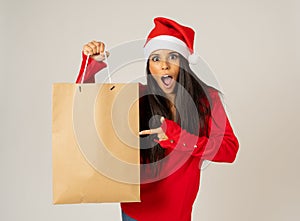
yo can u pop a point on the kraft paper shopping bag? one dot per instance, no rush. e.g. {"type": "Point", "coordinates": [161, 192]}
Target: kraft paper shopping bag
{"type": "Point", "coordinates": [95, 143]}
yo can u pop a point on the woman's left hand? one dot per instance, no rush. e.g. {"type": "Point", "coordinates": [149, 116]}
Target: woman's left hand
{"type": "Point", "coordinates": [159, 131]}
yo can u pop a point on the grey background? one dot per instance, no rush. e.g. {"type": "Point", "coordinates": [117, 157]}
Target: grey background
{"type": "Point", "coordinates": [253, 46]}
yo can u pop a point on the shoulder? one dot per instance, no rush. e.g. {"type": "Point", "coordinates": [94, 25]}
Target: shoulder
{"type": "Point", "coordinates": [212, 91]}
{"type": "Point", "coordinates": [213, 94]}
{"type": "Point", "coordinates": [214, 97]}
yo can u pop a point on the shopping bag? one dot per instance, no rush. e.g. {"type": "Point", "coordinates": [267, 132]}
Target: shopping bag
{"type": "Point", "coordinates": [95, 143]}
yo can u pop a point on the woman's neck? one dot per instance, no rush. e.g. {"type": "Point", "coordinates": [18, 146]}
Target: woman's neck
{"type": "Point", "coordinates": [171, 98]}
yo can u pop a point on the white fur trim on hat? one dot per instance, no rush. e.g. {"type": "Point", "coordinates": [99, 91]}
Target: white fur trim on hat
{"type": "Point", "coordinates": [166, 42]}
{"type": "Point", "coordinates": [194, 59]}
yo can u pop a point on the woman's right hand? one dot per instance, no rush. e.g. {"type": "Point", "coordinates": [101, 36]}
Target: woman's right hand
{"type": "Point", "coordinates": [96, 50]}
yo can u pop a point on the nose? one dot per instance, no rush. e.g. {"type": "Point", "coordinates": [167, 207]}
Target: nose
{"type": "Point", "coordinates": [165, 65]}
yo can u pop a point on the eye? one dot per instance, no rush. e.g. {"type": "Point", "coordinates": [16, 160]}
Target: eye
{"type": "Point", "coordinates": [173, 56]}
{"type": "Point", "coordinates": [155, 58]}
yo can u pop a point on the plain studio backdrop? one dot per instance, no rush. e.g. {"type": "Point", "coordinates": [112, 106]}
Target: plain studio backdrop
{"type": "Point", "coordinates": [253, 47]}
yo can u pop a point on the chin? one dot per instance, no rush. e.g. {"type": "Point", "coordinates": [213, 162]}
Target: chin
{"type": "Point", "coordinates": [169, 91]}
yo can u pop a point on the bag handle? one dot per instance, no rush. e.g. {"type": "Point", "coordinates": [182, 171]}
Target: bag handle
{"type": "Point", "coordinates": [85, 69]}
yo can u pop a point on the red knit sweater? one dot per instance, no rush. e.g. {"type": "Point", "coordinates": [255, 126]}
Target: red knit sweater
{"type": "Point", "coordinates": [171, 198]}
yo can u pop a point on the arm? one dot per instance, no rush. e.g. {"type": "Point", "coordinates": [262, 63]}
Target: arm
{"type": "Point", "coordinates": [95, 62]}
{"type": "Point", "coordinates": [92, 68]}
{"type": "Point", "coordinates": [221, 145]}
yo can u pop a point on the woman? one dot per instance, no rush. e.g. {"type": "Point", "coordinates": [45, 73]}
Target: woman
{"type": "Point", "coordinates": [183, 122]}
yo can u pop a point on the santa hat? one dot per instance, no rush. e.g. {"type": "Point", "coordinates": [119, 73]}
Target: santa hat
{"type": "Point", "coordinates": [168, 34]}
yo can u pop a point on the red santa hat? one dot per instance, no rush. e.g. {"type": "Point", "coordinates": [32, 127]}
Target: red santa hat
{"type": "Point", "coordinates": [168, 34]}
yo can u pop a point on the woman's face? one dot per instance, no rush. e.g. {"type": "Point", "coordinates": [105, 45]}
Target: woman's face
{"type": "Point", "coordinates": [164, 67]}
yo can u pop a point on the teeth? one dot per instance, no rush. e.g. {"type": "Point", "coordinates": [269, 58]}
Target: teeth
{"type": "Point", "coordinates": [166, 79]}
{"type": "Point", "coordinates": [167, 76]}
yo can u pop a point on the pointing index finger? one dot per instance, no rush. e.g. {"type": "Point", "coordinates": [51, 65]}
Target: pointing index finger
{"type": "Point", "coordinates": [151, 131]}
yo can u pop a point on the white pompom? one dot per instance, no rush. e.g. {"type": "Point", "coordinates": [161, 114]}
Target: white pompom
{"type": "Point", "coordinates": [194, 59]}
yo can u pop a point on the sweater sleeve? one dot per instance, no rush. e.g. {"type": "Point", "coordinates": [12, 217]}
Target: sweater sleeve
{"type": "Point", "coordinates": [221, 145]}
{"type": "Point", "coordinates": [92, 69]}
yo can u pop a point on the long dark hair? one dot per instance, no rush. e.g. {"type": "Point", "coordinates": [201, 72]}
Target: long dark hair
{"type": "Point", "coordinates": [191, 92]}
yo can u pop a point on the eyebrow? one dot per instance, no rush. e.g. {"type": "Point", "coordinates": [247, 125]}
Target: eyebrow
{"type": "Point", "coordinates": [172, 52]}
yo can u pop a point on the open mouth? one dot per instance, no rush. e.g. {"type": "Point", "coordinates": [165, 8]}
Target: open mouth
{"type": "Point", "coordinates": [167, 80]}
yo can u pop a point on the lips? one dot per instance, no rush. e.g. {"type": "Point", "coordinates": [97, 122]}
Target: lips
{"type": "Point", "coordinates": [167, 80]}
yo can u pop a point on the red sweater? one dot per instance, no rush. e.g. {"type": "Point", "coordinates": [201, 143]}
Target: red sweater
{"type": "Point", "coordinates": [172, 196]}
